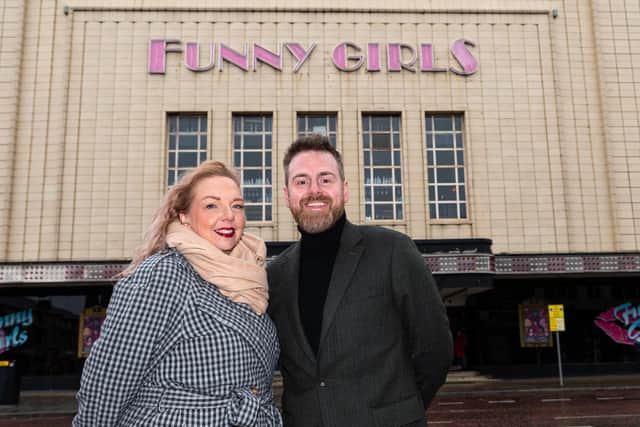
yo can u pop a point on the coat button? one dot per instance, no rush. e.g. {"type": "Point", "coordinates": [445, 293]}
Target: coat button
{"type": "Point", "coordinates": [254, 390]}
{"type": "Point", "coordinates": [323, 384]}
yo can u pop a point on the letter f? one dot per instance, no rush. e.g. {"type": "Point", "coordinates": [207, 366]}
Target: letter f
{"type": "Point", "coordinates": [158, 55]}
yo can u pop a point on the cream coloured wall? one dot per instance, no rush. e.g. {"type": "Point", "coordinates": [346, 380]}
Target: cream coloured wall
{"type": "Point", "coordinates": [545, 173]}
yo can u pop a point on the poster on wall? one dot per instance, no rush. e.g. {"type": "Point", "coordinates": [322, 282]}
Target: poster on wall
{"type": "Point", "coordinates": [13, 329]}
{"type": "Point", "coordinates": [534, 326]}
{"type": "Point", "coordinates": [91, 320]}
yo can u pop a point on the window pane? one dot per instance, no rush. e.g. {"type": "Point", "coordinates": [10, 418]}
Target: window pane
{"type": "Point", "coordinates": [237, 142]}
{"type": "Point", "coordinates": [203, 156]}
{"type": "Point", "coordinates": [317, 121]}
{"type": "Point", "coordinates": [396, 140]}
{"type": "Point", "coordinates": [187, 160]}
{"type": "Point", "coordinates": [458, 123]}
{"type": "Point", "coordinates": [252, 158]}
{"type": "Point", "coordinates": [381, 141]}
{"type": "Point", "coordinates": [252, 142]}
{"type": "Point", "coordinates": [460, 155]}
{"type": "Point", "coordinates": [237, 124]}
{"type": "Point", "coordinates": [396, 157]}
{"type": "Point", "coordinates": [429, 140]}
{"type": "Point", "coordinates": [173, 120]}
{"type": "Point", "coordinates": [203, 142]}
{"type": "Point", "coordinates": [446, 175]}
{"type": "Point", "coordinates": [252, 177]}
{"type": "Point", "coordinates": [188, 142]}
{"type": "Point", "coordinates": [459, 140]}
{"type": "Point", "coordinates": [444, 158]}
{"type": "Point", "coordinates": [267, 158]}
{"type": "Point", "coordinates": [252, 124]}
{"type": "Point", "coordinates": [430, 158]}
{"type": "Point", "coordinates": [267, 213]}
{"type": "Point", "coordinates": [367, 157]}
{"type": "Point", "coordinates": [172, 142]}
{"type": "Point", "coordinates": [395, 123]}
{"type": "Point", "coordinates": [398, 194]}
{"type": "Point", "coordinates": [367, 194]}
{"type": "Point", "coordinates": [301, 127]}
{"type": "Point", "coordinates": [460, 174]}
{"type": "Point", "coordinates": [463, 210]}
{"type": "Point", "coordinates": [399, 214]}
{"type": "Point", "coordinates": [267, 195]}
{"type": "Point", "coordinates": [267, 141]}
{"type": "Point", "coordinates": [428, 122]}
{"type": "Point", "coordinates": [430, 177]}
{"type": "Point", "coordinates": [384, 211]}
{"type": "Point", "coordinates": [398, 176]}
{"type": "Point", "coordinates": [267, 123]}
{"type": "Point", "coordinates": [382, 176]}
{"type": "Point", "coordinates": [432, 193]}
{"type": "Point", "coordinates": [365, 123]}
{"type": "Point", "coordinates": [252, 195]}
{"type": "Point", "coordinates": [381, 157]}
{"type": "Point", "coordinates": [447, 210]}
{"type": "Point", "coordinates": [253, 213]}
{"type": "Point", "coordinates": [383, 194]}
{"type": "Point", "coordinates": [203, 123]}
{"type": "Point", "coordinates": [236, 159]}
{"type": "Point", "coordinates": [188, 124]}
{"type": "Point", "coordinates": [446, 192]}
{"type": "Point", "coordinates": [444, 140]}
{"type": "Point", "coordinates": [332, 123]}
{"type": "Point", "coordinates": [461, 193]}
{"type": "Point", "coordinates": [170, 175]}
{"type": "Point", "coordinates": [432, 211]}
{"type": "Point", "coordinates": [333, 141]}
{"type": "Point", "coordinates": [443, 123]}
{"type": "Point", "coordinates": [172, 160]}
{"type": "Point", "coordinates": [367, 211]}
{"type": "Point", "coordinates": [381, 123]}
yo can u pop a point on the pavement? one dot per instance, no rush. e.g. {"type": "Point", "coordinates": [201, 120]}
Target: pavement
{"type": "Point", "coordinates": [459, 383]}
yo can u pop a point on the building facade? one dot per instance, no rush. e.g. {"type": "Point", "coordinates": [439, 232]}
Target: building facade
{"type": "Point", "coordinates": [502, 136]}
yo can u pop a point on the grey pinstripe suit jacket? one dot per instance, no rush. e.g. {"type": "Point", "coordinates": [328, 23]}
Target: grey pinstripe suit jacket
{"type": "Point", "coordinates": [385, 345]}
{"type": "Point", "coordinates": [174, 352]}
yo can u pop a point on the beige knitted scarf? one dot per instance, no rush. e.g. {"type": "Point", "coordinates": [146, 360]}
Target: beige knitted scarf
{"type": "Point", "coordinates": [239, 275]}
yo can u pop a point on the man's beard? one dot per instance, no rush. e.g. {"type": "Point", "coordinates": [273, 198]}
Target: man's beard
{"type": "Point", "coordinates": [313, 223]}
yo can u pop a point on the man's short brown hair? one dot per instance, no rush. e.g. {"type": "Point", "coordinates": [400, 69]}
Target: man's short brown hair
{"type": "Point", "coordinates": [311, 143]}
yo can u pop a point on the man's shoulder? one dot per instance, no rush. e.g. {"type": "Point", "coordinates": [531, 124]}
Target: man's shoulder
{"type": "Point", "coordinates": [380, 234]}
{"type": "Point", "coordinates": [280, 260]}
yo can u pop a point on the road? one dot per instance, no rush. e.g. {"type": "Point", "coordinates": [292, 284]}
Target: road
{"type": "Point", "coordinates": [609, 408]}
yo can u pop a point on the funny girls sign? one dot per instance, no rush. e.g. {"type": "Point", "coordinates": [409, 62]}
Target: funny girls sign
{"type": "Point", "coordinates": [621, 323]}
{"type": "Point", "coordinates": [13, 329]}
{"type": "Point", "coordinates": [345, 56]}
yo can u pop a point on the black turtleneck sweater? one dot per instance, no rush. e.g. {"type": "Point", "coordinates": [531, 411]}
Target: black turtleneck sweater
{"type": "Point", "coordinates": [317, 256]}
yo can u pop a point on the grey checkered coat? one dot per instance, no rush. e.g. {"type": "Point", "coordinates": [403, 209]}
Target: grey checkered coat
{"type": "Point", "coordinates": [174, 352]}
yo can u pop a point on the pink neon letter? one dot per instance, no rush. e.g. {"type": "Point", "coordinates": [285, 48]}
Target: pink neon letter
{"type": "Point", "coordinates": [460, 52]}
{"type": "Point", "coordinates": [300, 53]}
{"type": "Point", "coordinates": [394, 57]}
{"type": "Point", "coordinates": [373, 57]}
{"type": "Point", "coordinates": [192, 57]}
{"type": "Point", "coordinates": [266, 56]}
{"type": "Point", "coordinates": [157, 55]}
{"type": "Point", "coordinates": [236, 58]}
{"type": "Point", "coordinates": [426, 60]}
{"type": "Point", "coordinates": [340, 57]}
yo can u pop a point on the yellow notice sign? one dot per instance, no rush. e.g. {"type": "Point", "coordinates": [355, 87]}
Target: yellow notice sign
{"type": "Point", "coordinates": [556, 317]}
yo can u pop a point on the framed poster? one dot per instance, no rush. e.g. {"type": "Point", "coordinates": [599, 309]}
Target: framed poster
{"type": "Point", "coordinates": [534, 326]}
{"type": "Point", "coordinates": [91, 320]}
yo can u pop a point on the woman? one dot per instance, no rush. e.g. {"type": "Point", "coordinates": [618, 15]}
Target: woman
{"type": "Point", "coordinates": [186, 341]}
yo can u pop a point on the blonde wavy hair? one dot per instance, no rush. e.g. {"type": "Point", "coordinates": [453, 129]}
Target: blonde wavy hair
{"type": "Point", "coordinates": [176, 201]}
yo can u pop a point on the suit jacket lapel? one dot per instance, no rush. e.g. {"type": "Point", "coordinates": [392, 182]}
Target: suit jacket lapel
{"type": "Point", "coordinates": [292, 276]}
{"type": "Point", "coordinates": [345, 265]}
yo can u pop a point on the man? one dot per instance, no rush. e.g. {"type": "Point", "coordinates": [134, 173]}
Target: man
{"type": "Point", "coordinates": [363, 333]}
